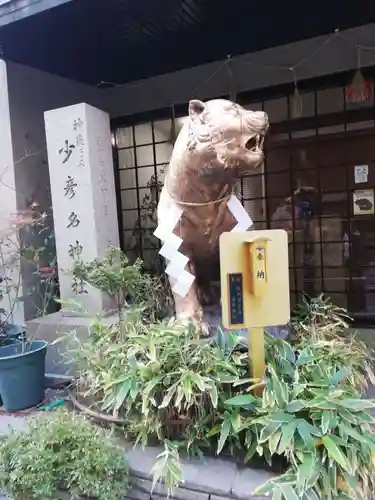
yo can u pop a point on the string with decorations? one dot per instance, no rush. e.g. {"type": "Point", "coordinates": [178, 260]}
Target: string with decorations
{"type": "Point", "coordinates": [357, 91]}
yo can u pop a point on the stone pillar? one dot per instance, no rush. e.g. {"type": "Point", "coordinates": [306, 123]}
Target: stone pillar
{"type": "Point", "coordinates": [83, 195]}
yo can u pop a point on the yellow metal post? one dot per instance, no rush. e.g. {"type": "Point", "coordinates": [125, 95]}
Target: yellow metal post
{"type": "Point", "coordinates": [255, 287]}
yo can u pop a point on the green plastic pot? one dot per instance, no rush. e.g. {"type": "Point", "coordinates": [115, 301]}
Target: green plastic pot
{"type": "Point", "coordinates": [22, 373]}
{"type": "Point", "coordinates": [4, 342]}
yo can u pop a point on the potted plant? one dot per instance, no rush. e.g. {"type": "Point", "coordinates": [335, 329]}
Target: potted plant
{"type": "Point", "coordinates": [22, 360]}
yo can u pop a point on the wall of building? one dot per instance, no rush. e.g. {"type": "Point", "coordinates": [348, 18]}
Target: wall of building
{"type": "Point", "coordinates": [7, 185]}
{"type": "Point", "coordinates": [8, 205]}
{"type": "Point", "coordinates": [314, 57]}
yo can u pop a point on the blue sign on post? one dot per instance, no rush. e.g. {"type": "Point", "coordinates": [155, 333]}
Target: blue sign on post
{"type": "Point", "coordinates": [236, 298]}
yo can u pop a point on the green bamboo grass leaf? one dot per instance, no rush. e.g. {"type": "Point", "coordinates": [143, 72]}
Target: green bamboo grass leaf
{"type": "Point", "coordinates": [287, 437]}
{"type": "Point", "coordinates": [326, 416]}
{"type": "Point", "coordinates": [287, 352]}
{"type": "Point", "coordinates": [305, 471]}
{"type": "Point", "coordinates": [266, 488]}
{"type": "Point", "coordinates": [349, 431]}
{"type": "Point", "coordinates": [225, 430]}
{"type": "Point", "coordinates": [251, 451]}
{"type": "Point", "coordinates": [268, 431]}
{"type": "Point", "coordinates": [134, 389]}
{"type": "Point", "coordinates": [365, 417]}
{"type": "Point", "coordinates": [273, 442]}
{"type": "Point", "coordinates": [351, 481]}
{"type": "Point", "coordinates": [214, 431]}
{"type": "Point", "coordinates": [246, 381]}
{"type": "Point", "coordinates": [296, 406]}
{"type": "Point", "coordinates": [152, 350]}
{"type": "Point", "coordinates": [305, 357]}
{"type": "Point", "coordinates": [281, 416]}
{"type": "Point", "coordinates": [329, 421]}
{"type": "Point", "coordinates": [322, 403]}
{"type": "Point", "coordinates": [277, 494]}
{"type": "Point", "coordinates": [339, 376]}
{"type": "Point", "coordinates": [335, 453]}
{"type": "Point", "coordinates": [312, 429]}
{"type": "Point", "coordinates": [179, 397]}
{"type": "Point", "coordinates": [167, 398]}
{"type": "Point", "coordinates": [327, 488]}
{"type": "Point", "coordinates": [356, 418]}
{"type": "Point", "coordinates": [122, 393]}
{"type": "Point", "coordinates": [241, 400]}
{"type": "Point", "coordinates": [198, 381]}
{"type": "Point", "coordinates": [235, 420]}
{"type": "Point", "coordinates": [152, 384]}
{"type": "Point", "coordinates": [310, 495]}
{"type": "Point", "coordinates": [213, 395]}
{"type": "Point", "coordinates": [316, 473]}
{"type": "Point", "coordinates": [356, 404]}
{"type": "Point", "coordinates": [280, 389]}
{"type": "Point", "coordinates": [339, 441]}
{"type": "Point", "coordinates": [305, 433]}
{"type": "Point", "coordinates": [288, 491]}
{"type": "Point", "coordinates": [225, 378]}
{"type": "Point", "coordinates": [187, 386]}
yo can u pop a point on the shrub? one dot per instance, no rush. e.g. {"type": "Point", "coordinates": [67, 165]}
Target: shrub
{"type": "Point", "coordinates": [194, 396]}
{"type": "Point", "coordinates": [162, 380]}
{"type": "Point", "coordinates": [62, 451]}
{"type": "Point", "coordinates": [318, 321]}
{"type": "Point", "coordinates": [124, 282]}
{"type": "Point", "coordinates": [311, 412]}
{"type": "Point", "coordinates": [317, 318]}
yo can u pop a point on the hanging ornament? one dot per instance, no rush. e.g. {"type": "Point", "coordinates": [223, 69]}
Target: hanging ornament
{"type": "Point", "coordinates": [360, 89]}
{"type": "Point", "coordinates": [296, 104]}
{"type": "Point", "coordinates": [173, 137]}
{"type": "Point", "coordinates": [232, 90]}
{"type": "Point", "coordinates": [303, 156]}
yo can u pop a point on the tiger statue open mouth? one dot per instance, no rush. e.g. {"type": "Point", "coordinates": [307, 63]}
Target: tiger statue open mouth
{"type": "Point", "coordinates": [219, 143]}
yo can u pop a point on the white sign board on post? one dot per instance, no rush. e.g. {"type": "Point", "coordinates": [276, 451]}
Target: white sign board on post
{"type": "Point", "coordinates": [83, 195]}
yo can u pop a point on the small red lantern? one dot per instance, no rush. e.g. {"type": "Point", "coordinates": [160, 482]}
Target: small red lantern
{"type": "Point", "coordinates": [359, 90]}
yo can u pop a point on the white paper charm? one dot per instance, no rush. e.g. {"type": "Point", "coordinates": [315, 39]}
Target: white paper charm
{"type": "Point", "coordinates": [171, 246]}
{"type": "Point", "coordinates": [183, 284]}
{"type": "Point", "coordinates": [172, 216]}
{"type": "Point", "coordinates": [239, 213]}
{"type": "Point", "coordinates": [172, 213]}
{"type": "Point", "coordinates": [161, 232]}
{"type": "Point", "coordinates": [177, 265]}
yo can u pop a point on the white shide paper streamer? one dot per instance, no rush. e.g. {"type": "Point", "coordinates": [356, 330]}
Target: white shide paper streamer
{"type": "Point", "coordinates": [171, 242]}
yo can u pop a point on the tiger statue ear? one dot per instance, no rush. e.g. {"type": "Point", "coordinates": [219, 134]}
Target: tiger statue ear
{"type": "Point", "coordinates": [196, 108]}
